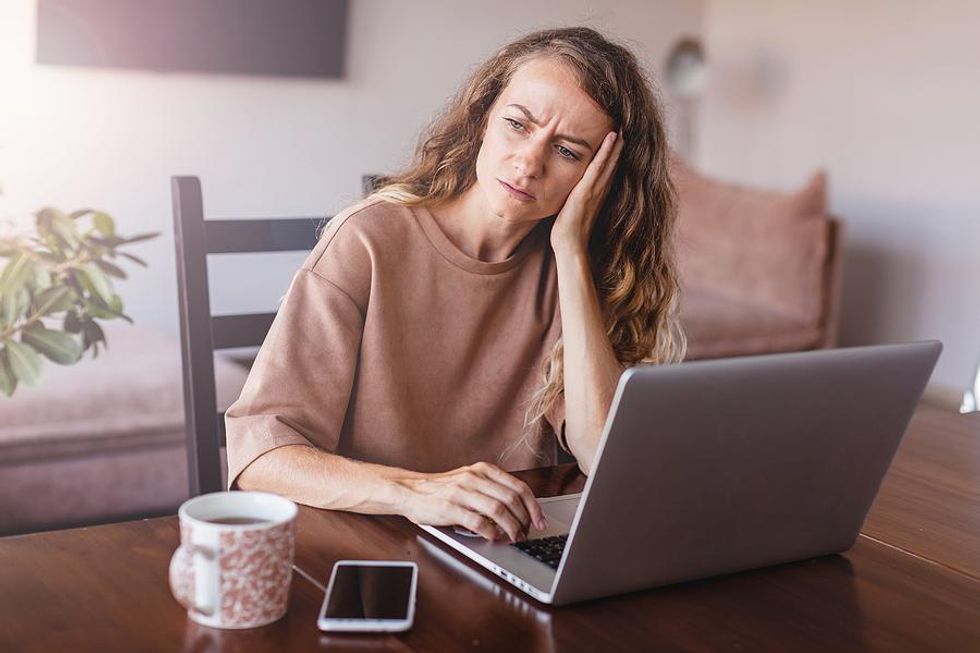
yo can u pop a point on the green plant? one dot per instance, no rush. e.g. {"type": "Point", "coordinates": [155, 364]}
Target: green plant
{"type": "Point", "coordinates": [54, 287]}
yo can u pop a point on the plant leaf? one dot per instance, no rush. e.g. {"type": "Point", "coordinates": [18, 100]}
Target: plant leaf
{"type": "Point", "coordinates": [58, 346]}
{"type": "Point", "coordinates": [141, 237]}
{"type": "Point", "coordinates": [104, 224]}
{"type": "Point", "coordinates": [72, 323]}
{"type": "Point", "coordinates": [49, 213]}
{"type": "Point", "coordinates": [92, 334]}
{"type": "Point", "coordinates": [110, 242]}
{"type": "Point", "coordinates": [42, 278]}
{"type": "Point", "coordinates": [16, 273]}
{"type": "Point", "coordinates": [134, 259]}
{"type": "Point", "coordinates": [24, 363]}
{"type": "Point", "coordinates": [95, 249]}
{"type": "Point", "coordinates": [51, 221]}
{"type": "Point", "coordinates": [116, 304]}
{"type": "Point", "coordinates": [95, 309]}
{"type": "Point", "coordinates": [65, 227]}
{"type": "Point", "coordinates": [8, 382]}
{"type": "Point", "coordinates": [8, 308]}
{"type": "Point", "coordinates": [98, 283]}
{"type": "Point", "coordinates": [14, 306]}
{"type": "Point", "coordinates": [56, 247]}
{"type": "Point", "coordinates": [111, 270]}
{"type": "Point", "coordinates": [54, 300]}
{"type": "Point", "coordinates": [74, 215]}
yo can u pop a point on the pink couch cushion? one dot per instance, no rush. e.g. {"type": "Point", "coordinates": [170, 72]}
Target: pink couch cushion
{"type": "Point", "coordinates": [58, 492]}
{"type": "Point", "coordinates": [717, 327]}
{"type": "Point", "coordinates": [761, 247]}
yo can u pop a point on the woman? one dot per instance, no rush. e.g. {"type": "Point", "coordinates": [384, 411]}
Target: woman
{"type": "Point", "coordinates": [481, 306]}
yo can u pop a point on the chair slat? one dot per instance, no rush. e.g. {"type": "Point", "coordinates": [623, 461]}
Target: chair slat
{"type": "Point", "coordinates": [222, 440]}
{"type": "Point", "coordinates": [201, 333]}
{"type": "Point", "coordinates": [266, 235]}
{"type": "Point", "coordinates": [244, 330]}
{"type": "Point", "coordinates": [200, 401]}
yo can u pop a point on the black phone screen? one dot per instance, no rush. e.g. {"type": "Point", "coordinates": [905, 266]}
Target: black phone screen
{"type": "Point", "coordinates": [370, 592]}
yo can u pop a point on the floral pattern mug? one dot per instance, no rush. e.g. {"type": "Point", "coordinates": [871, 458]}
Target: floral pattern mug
{"type": "Point", "coordinates": [234, 564]}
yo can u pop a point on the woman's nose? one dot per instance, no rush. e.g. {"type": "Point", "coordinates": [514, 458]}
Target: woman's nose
{"type": "Point", "coordinates": [529, 161]}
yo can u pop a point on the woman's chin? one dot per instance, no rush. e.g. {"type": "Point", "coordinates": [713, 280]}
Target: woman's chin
{"type": "Point", "coordinates": [518, 214]}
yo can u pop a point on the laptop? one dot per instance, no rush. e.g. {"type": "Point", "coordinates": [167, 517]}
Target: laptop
{"type": "Point", "coordinates": [719, 466]}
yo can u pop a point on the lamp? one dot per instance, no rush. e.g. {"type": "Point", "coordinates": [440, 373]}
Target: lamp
{"type": "Point", "coordinates": [686, 74]}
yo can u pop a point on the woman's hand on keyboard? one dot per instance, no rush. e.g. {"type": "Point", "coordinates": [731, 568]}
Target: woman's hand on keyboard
{"type": "Point", "coordinates": [481, 497]}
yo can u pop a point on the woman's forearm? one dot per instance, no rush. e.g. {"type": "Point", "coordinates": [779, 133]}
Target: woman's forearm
{"type": "Point", "coordinates": [481, 496]}
{"type": "Point", "coordinates": [591, 368]}
{"type": "Point", "coordinates": [316, 478]}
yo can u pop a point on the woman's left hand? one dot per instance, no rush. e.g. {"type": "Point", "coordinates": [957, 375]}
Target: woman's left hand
{"type": "Point", "coordinates": [575, 220]}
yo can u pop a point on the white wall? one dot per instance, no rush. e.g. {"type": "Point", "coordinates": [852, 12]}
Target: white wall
{"type": "Point", "coordinates": [74, 137]}
{"type": "Point", "coordinates": [886, 96]}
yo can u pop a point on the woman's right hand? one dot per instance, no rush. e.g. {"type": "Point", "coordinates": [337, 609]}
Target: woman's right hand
{"type": "Point", "coordinates": [481, 497]}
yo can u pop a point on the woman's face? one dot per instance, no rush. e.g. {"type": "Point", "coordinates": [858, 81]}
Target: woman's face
{"type": "Point", "coordinates": [541, 134]}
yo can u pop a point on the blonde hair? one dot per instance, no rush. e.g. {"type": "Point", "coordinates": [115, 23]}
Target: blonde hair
{"type": "Point", "coordinates": [631, 245]}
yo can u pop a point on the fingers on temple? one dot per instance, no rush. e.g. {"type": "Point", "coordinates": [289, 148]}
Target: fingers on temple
{"type": "Point", "coordinates": [609, 163]}
{"type": "Point", "coordinates": [599, 172]}
{"type": "Point", "coordinates": [599, 160]}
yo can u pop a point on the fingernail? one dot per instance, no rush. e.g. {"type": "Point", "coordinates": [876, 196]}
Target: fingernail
{"type": "Point", "coordinates": [615, 135]}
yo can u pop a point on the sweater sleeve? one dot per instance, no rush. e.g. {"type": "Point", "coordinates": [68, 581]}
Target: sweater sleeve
{"type": "Point", "coordinates": [299, 386]}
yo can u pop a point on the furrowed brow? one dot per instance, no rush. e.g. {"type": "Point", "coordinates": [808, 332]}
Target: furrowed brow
{"type": "Point", "coordinates": [564, 137]}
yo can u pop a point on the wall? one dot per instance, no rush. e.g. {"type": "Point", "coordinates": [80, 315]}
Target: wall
{"type": "Point", "coordinates": [74, 137]}
{"type": "Point", "coordinates": [885, 96]}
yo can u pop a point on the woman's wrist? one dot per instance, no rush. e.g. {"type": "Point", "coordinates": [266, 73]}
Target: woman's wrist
{"type": "Point", "coordinates": [371, 488]}
{"type": "Point", "coordinates": [572, 261]}
{"type": "Point", "coordinates": [397, 493]}
{"type": "Point", "coordinates": [570, 251]}
{"type": "Point", "coordinates": [561, 241]}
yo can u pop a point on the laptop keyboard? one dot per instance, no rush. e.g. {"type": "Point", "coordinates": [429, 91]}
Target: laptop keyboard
{"type": "Point", "coordinates": [546, 549]}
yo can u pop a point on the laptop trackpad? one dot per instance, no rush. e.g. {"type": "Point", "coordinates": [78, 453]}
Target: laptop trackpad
{"type": "Point", "coordinates": [561, 509]}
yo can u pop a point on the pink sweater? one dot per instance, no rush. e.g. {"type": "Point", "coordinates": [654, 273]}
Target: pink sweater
{"type": "Point", "coordinates": [395, 347]}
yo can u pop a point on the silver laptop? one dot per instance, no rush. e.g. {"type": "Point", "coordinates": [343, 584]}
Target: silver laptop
{"type": "Point", "coordinates": [713, 467]}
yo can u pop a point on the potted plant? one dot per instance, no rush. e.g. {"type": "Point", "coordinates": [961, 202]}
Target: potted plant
{"type": "Point", "coordinates": [55, 287]}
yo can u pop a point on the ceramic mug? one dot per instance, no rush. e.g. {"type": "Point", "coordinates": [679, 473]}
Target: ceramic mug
{"type": "Point", "coordinates": [235, 560]}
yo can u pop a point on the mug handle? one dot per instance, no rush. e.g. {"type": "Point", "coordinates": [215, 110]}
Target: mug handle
{"type": "Point", "coordinates": [205, 595]}
{"type": "Point", "coordinates": [207, 605]}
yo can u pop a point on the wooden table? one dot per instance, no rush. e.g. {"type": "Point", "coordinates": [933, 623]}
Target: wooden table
{"type": "Point", "coordinates": [912, 582]}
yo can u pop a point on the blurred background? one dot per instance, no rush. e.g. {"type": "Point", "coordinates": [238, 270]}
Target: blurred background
{"type": "Point", "coordinates": [881, 96]}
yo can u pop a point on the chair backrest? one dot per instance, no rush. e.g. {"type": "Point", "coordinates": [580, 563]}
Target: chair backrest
{"type": "Point", "coordinates": [200, 332]}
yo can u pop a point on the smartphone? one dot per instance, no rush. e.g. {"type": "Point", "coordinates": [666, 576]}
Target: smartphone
{"type": "Point", "coordinates": [370, 596]}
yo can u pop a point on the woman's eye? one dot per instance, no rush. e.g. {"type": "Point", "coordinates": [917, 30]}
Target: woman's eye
{"type": "Point", "coordinates": [567, 153]}
{"type": "Point", "coordinates": [514, 124]}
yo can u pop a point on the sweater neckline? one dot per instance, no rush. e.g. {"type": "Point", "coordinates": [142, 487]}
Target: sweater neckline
{"type": "Point", "coordinates": [458, 257]}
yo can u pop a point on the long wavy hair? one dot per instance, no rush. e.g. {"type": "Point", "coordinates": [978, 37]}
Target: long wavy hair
{"type": "Point", "coordinates": [631, 245]}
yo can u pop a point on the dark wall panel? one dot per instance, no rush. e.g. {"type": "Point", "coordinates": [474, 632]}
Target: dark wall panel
{"type": "Point", "coordinates": [258, 37]}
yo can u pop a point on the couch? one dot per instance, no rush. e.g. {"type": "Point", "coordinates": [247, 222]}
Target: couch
{"type": "Point", "coordinates": [760, 270]}
{"type": "Point", "coordinates": [103, 440]}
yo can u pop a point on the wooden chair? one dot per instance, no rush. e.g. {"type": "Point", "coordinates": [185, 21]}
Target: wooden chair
{"type": "Point", "coordinates": [200, 332]}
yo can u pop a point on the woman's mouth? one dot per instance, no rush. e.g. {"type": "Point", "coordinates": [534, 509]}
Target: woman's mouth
{"type": "Point", "coordinates": [516, 194]}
